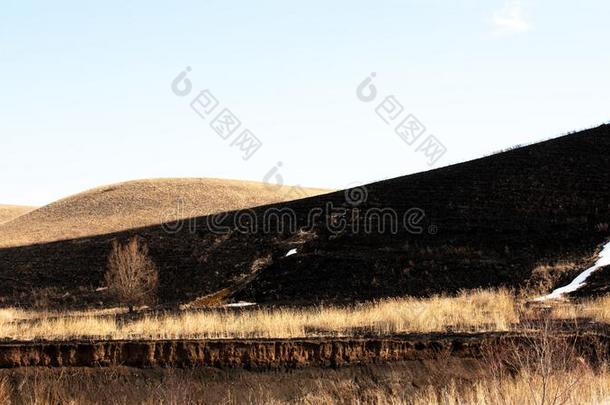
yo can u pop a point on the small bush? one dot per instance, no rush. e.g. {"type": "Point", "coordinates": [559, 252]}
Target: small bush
{"type": "Point", "coordinates": [132, 277]}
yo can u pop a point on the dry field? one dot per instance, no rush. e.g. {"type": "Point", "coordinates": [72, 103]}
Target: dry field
{"type": "Point", "coordinates": [550, 372]}
{"type": "Point", "coordinates": [10, 212]}
{"type": "Point", "coordinates": [597, 309]}
{"type": "Point", "coordinates": [579, 386]}
{"type": "Point", "coordinates": [141, 203]}
{"type": "Point", "coordinates": [469, 311]}
{"type": "Point", "coordinates": [447, 382]}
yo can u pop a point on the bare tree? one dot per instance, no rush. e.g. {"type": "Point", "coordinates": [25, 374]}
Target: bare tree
{"type": "Point", "coordinates": [545, 355]}
{"type": "Point", "coordinates": [132, 277]}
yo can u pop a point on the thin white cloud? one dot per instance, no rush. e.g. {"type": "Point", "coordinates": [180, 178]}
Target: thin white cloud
{"type": "Point", "coordinates": [511, 19]}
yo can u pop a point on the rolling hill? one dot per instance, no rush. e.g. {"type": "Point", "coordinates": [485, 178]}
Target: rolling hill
{"type": "Point", "coordinates": [10, 212]}
{"type": "Point", "coordinates": [529, 218]}
{"type": "Point", "coordinates": [136, 204]}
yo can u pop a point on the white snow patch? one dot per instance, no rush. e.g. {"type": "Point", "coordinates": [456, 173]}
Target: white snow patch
{"type": "Point", "coordinates": [239, 304]}
{"type": "Point", "coordinates": [291, 252]}
{"type": "Point", "coordinates": [602, 260]}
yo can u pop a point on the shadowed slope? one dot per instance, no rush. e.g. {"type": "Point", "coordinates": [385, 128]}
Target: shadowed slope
{"type": "Point", "coordinates": [526, 218]}
{"type": "Point", "coordinates": [139, 203]}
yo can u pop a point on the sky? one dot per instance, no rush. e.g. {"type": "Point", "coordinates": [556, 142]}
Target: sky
{"type": "Point", "coordinates": [91, 92]}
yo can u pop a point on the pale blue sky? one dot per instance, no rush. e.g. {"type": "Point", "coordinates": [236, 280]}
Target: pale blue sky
{"type": "Point", "coordinates": [86, 97]}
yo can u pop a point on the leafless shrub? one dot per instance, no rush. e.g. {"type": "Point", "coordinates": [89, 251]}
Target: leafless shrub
{"type": "Point", "coordinates": [132, 277]}
{"type": "Point", "coordinates": [544, 360]}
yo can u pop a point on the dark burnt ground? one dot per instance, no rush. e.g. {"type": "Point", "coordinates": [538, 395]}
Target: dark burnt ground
{"type": "Point", "coordinates": [488, 223]}
{"type": "Point", "coordinates": [597, 284]}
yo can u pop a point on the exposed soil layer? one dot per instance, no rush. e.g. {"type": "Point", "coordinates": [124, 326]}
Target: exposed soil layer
{"type": "Point", "coordinates": [511, 219]}
{"type": "Point", "coordinates": [272, 354]}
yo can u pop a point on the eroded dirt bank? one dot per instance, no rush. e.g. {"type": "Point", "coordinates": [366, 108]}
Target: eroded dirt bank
{"type": "Point", "coordinates": [271, 354]}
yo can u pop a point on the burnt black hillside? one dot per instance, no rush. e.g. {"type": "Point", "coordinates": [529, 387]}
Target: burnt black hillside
{"type": "Point", "coordinates": [512, 219]}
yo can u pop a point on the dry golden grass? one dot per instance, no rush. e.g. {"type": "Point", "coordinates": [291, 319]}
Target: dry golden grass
{"type": "Point", "coordinates": [597, 309]}
{"type": "Point", "coordinates": [523, 389]}
{"type": "Point", "coordinates": [469, 311]}
{"type": "Point", "coordinates": [10, 212]}
{"type": "Point", "coordinates": [478, 310]}
{"type": "Point", "coordinates": [575, 387]}
{"type": "Point", "coordinates": [5, 389]}
{"type": "Point", "coordinates": [140, 203]}
{"type": "Point", "coordinates": [324, 388]}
